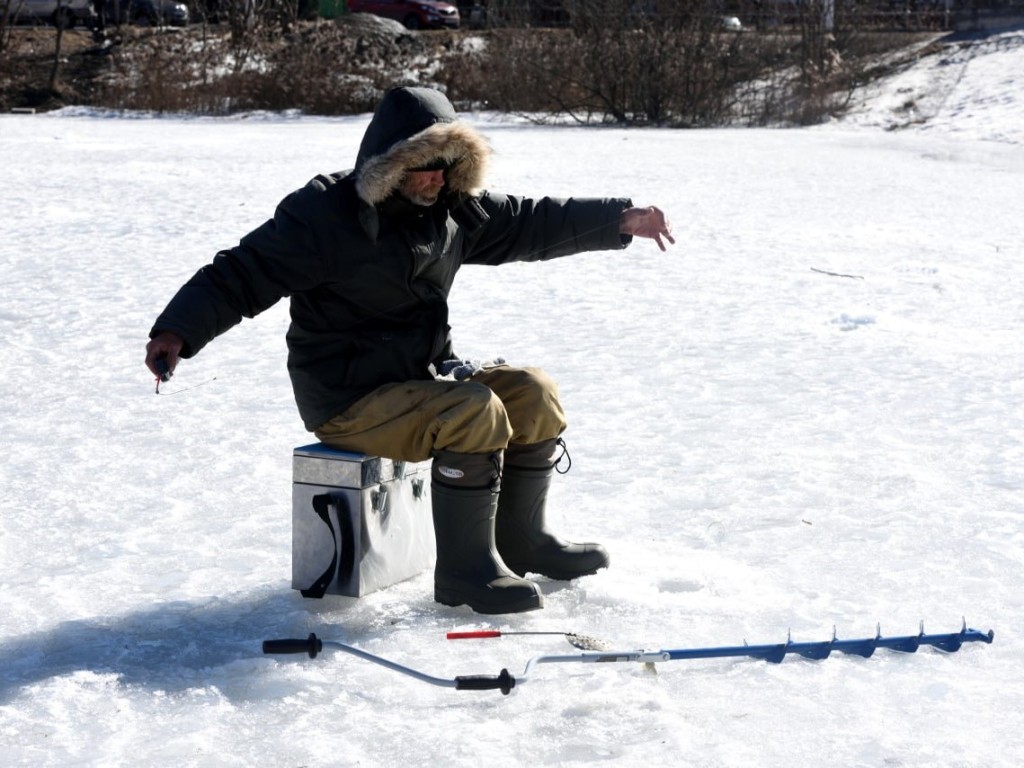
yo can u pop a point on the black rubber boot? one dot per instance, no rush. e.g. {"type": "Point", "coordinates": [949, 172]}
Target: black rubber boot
{"type": "Point", "coordinates": [525, 543]}
{"type": "Point", "coordinates": [469, 570]}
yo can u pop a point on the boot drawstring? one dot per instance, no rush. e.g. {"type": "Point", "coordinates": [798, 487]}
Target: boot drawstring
{"type": "Point", "coordinates": [496, 482]}
{"type": "Point", "coordinates": [564, 455]}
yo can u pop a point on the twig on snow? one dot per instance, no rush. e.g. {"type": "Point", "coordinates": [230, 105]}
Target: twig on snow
{"type": "Point", "coordinates": [837, 274]}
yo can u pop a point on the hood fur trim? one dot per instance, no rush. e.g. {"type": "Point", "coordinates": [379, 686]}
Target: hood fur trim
{"type": "Point", "coordinates": [457, 143]}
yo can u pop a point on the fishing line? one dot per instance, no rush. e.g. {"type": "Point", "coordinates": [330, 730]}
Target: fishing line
{"type": "Point", "coordinates": [183, 389]}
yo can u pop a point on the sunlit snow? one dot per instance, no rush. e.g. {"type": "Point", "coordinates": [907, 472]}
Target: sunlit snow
{"type": "Point", "coordinates": [808, 414]}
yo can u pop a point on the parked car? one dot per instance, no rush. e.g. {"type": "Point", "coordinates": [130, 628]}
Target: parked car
{"type": "Point", "coordinates": [533, 13]}
{"type": "Point", "coordinates": [472, 12]}
{"type": "Point", "coordinates": [61, 13]}
{"type": "Point", "coordinates": [154, 13]}
{"type": "Point", "coordinates": [414, 14]}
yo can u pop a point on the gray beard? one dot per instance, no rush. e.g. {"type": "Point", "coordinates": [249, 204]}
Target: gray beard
{"type": "Point", "coordinates": [426, 202]}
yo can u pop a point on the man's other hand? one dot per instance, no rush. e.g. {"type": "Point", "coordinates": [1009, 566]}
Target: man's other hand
{"type": "Point", "coordinates": [647, 222]}
{"type": "Point", "coordinates": [165, 346]}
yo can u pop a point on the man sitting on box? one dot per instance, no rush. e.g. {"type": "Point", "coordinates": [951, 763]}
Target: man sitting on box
{"type": "Point", "coordinates": [368, 258]}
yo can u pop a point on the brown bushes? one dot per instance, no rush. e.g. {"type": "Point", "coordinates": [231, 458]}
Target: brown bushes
{"type": "Point", "coordinates": [646, 62]}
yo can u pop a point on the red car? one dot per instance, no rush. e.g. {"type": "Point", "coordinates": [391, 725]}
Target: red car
{"type": "Point", "coordinates": [414, 14]}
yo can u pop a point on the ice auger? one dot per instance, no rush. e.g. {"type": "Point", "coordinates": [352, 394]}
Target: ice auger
{"type": "Point", "coordinates": [773, 653]}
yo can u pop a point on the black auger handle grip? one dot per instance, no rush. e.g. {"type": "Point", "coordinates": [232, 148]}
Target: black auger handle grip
{"type": "Point", "coordinates": [311, 645]}
{"type": "Point", "coordinates": [503, 682]}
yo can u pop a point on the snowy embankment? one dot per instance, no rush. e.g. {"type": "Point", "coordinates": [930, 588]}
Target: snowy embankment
{"type": "Point", "coordinates": [972, 88]}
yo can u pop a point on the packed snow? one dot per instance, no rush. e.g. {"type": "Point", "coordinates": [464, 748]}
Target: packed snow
{"type": "Point", "coordinates": [807, 415]}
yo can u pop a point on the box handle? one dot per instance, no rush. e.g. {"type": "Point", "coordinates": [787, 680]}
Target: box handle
{"type": "Point", "coordinates": [379, 499]}
{"type": "Point", "coordinates": [343, 540]}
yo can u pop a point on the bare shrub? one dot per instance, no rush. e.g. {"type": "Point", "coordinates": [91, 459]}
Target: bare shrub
{"type": "Point", "coordinates": [319, 67]}
{"type": "Point", "coordinates": [657, 62]}
{"type": "Point", "coordinates": [321, 70]}
{"type": "Point", "coordinates": [159, 71]}
{"type": "Point", "coordinates": [627, 62]}
{"type": "Point", "coordinates": [344, 67]}
{"type": "Point", "coordinates": [5, 32]}
{"type": "Point", "coordinates": [677, 63]}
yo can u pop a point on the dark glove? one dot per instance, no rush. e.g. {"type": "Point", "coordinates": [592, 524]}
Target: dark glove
{"type": "Point", "coordinates": [460, 370]}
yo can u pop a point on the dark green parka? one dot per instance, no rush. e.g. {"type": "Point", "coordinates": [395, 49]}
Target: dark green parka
{"type": "Point", "coordinates": [368, 274]}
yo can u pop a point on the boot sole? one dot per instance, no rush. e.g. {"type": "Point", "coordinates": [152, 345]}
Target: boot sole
{"type": "Point", "coordinates": [455, 599]}
{"type": "Point", "coordinates": [521, 571]}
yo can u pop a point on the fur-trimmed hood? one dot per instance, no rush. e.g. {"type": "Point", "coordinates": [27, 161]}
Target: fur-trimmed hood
{"type": "Point", "coordinates": [413, 127]}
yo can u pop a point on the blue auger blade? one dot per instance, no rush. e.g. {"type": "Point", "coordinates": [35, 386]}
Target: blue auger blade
{"type": "Point", "coordinates": [864, 647]}
{"type": "Point", "coordinates": [952, 641]}
{"type": "Point", "coordinates": [816, 651]}
{"type": "Point", "coordinates": [908, 644]}
{"type": "Point", "coordinates": [775, 653]}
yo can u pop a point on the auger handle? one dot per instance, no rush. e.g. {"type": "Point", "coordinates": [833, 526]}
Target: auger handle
{"type": "Point", "coordinates": [503, 682]}
{"type": "Point", "coordinates": [311, 645]}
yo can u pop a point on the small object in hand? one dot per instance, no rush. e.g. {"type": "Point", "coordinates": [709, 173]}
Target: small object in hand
{"type": "Point", "coordinates": [163, 371]}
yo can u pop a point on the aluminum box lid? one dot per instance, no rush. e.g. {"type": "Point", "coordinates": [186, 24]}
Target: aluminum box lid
{"type": "Point", "coordinates": [319, 464]}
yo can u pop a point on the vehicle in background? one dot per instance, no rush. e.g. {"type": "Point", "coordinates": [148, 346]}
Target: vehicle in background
{"type": "Point", "coordinates": [414, 14]}
{"type": "Point", "coordinates": [472, 13]}
{"type": "Point", "coordinates": [60, 13]}
{"type": "Point", "coordinates": [532, 13]}
{"type": "Point", "coordinates": [154, 13]}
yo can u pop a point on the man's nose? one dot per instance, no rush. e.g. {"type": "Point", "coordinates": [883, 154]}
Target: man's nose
{"type": "Point", "coordinates": [437, 178]}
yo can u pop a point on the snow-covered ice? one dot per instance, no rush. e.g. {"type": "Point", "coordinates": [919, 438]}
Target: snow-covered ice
{"type": "Point", "coordinates": [808, 414]}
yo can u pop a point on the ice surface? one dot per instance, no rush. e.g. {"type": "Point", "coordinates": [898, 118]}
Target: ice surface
{"type": "Point", "coordinates": [763, 447]}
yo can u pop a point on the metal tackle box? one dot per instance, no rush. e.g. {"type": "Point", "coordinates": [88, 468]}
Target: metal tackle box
{"type": "Point", "coordinates": [359, 523]}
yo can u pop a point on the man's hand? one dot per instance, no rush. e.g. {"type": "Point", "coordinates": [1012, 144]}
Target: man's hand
{"type": "Point", "coordinates": [647, 222]}
{"type": "Point", "coordinates": [165, 347]}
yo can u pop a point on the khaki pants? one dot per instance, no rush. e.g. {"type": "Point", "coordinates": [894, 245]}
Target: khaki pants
{"type": "Point", "coordinates": [411, 420]}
